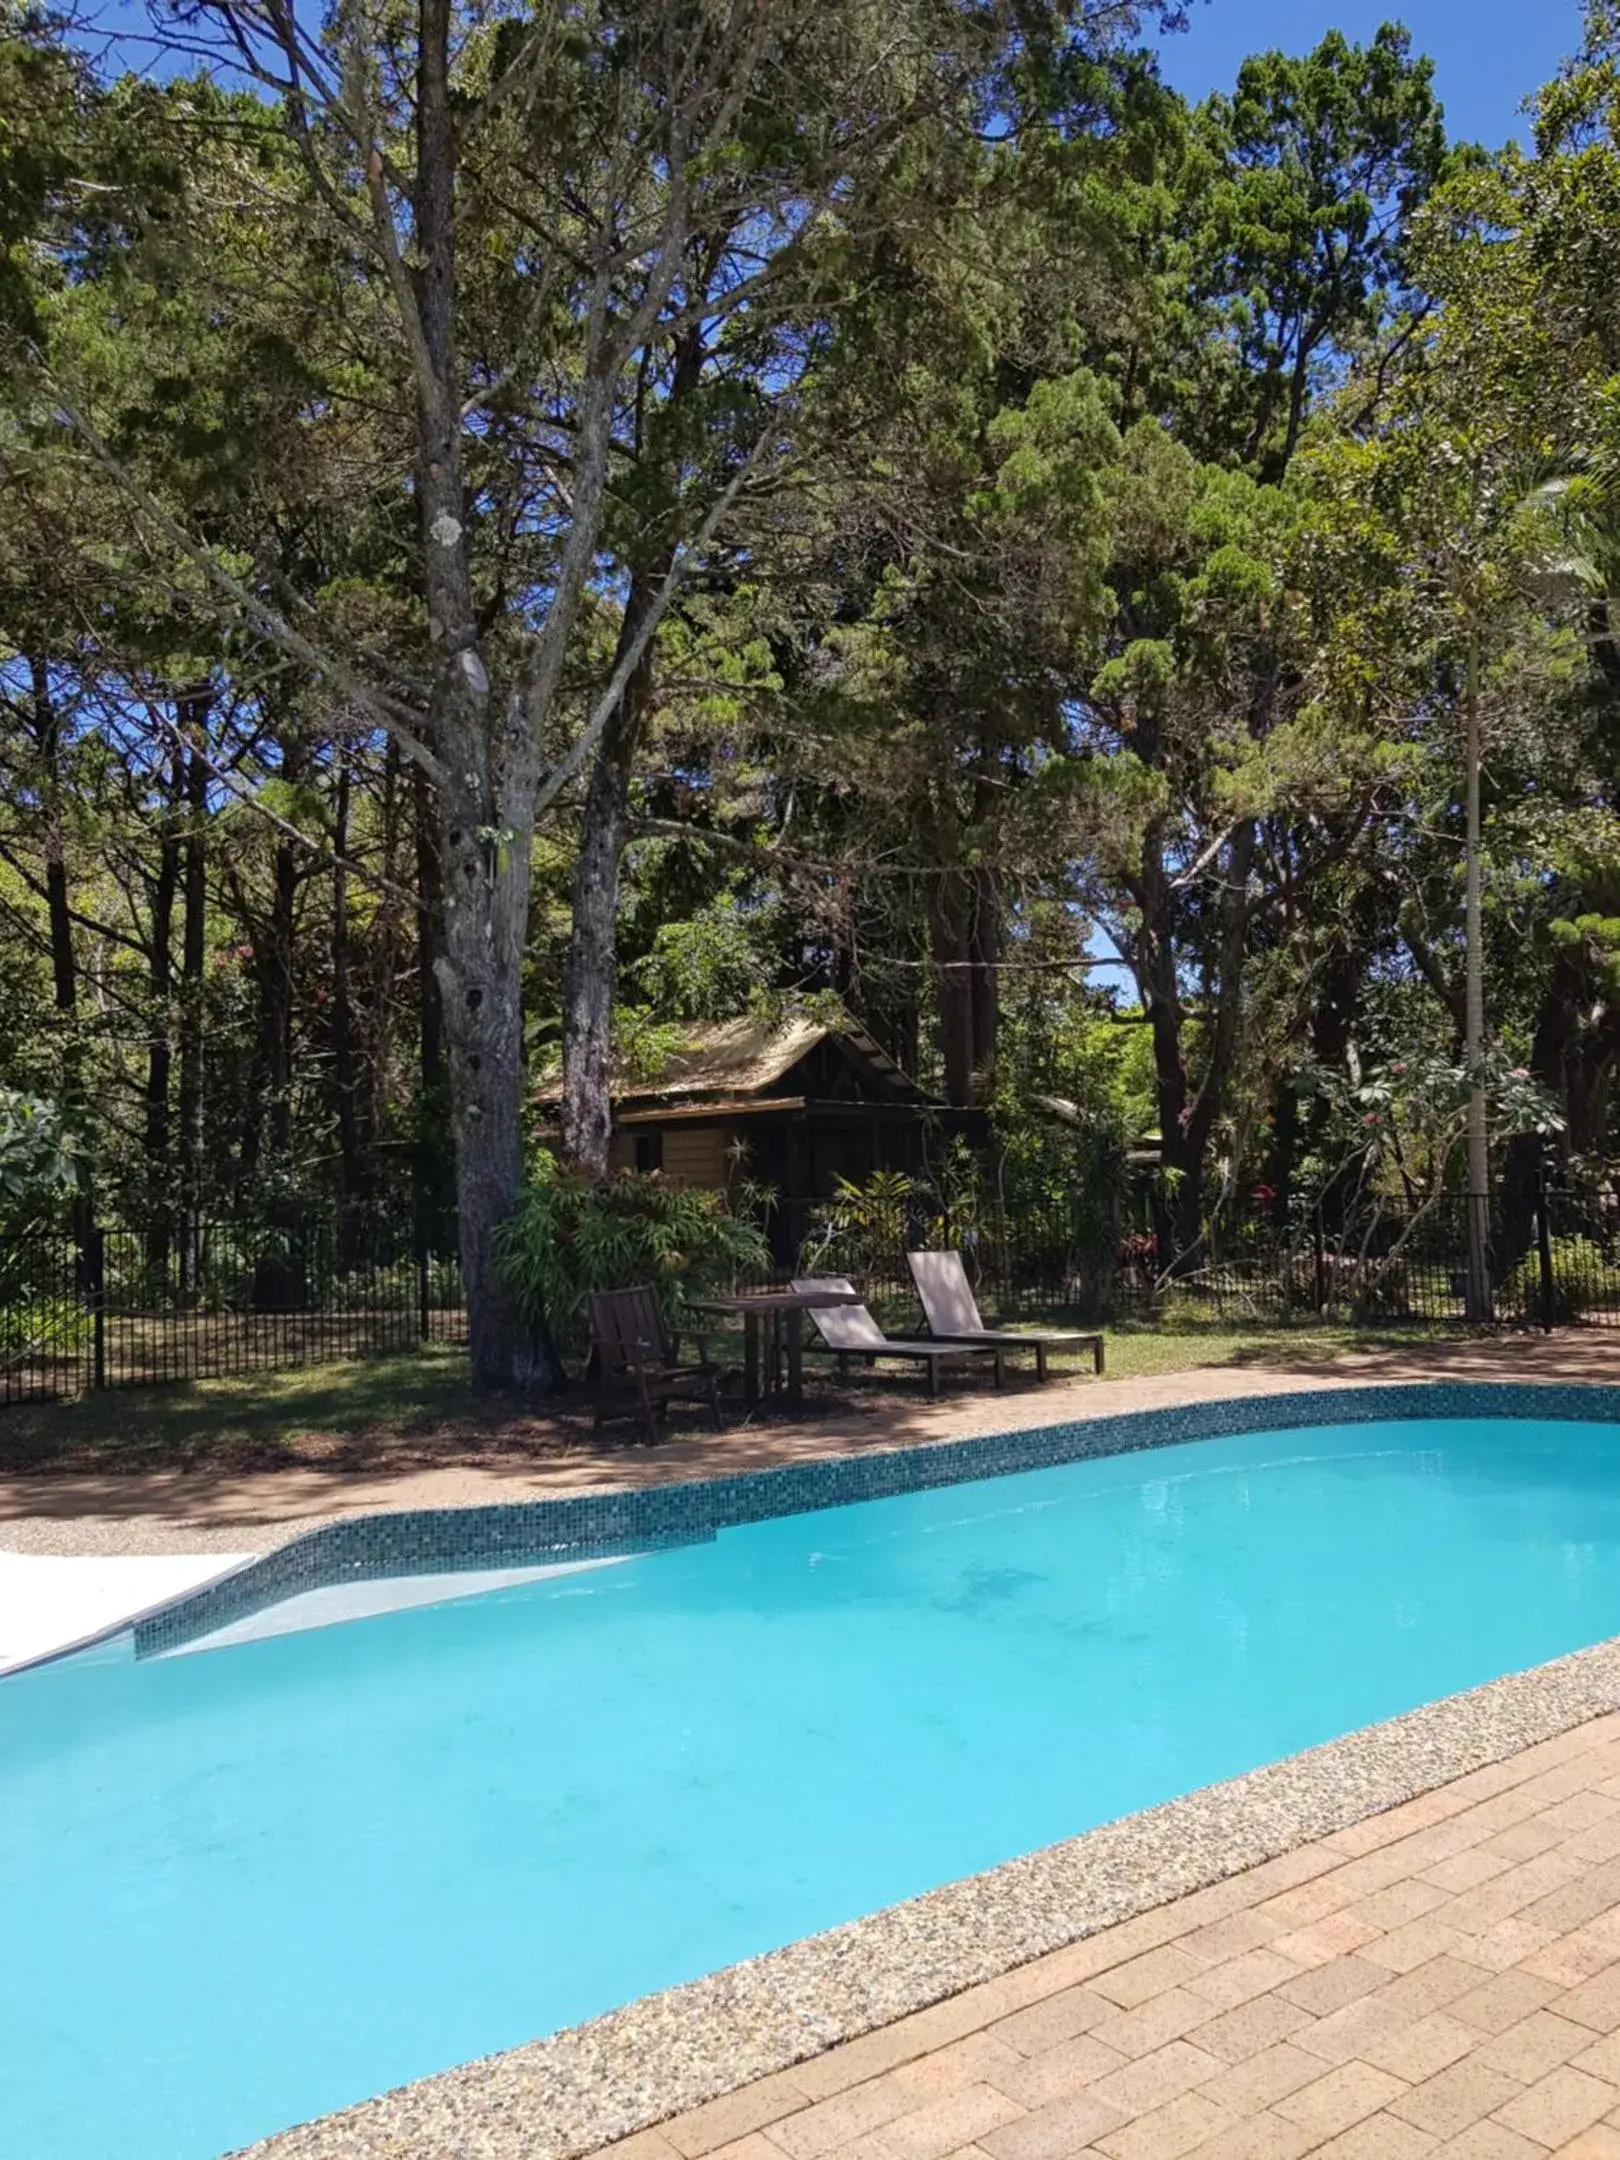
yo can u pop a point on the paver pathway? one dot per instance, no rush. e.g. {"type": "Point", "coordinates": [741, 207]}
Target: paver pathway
{"type": "Point", "coordinates": [1443, 1979]}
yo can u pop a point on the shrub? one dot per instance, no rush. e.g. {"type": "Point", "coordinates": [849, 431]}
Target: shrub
{"type": "Point", "coordinates": [38, 1162]}
{"type": "Point", "coordinates": [568, 1239]}
{"type": "Point", "coordinates": [1063, 1199]}
{"type": "Point", "coordinates": [864, 1230]}
{"type": "Point", "coordinates": [1584, 1279]}
{"type": "Point", "coordinates": [1382, 1290]}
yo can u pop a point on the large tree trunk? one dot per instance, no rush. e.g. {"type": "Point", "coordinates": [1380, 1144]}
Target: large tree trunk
{"type": "Point", "coordinates": [1179, 1198]}
{"type": "Point", "coordinates": [984, 977]}
{"type": "Point", "coordinates": [486, 909]}
{"type": "Point", "coordinates": [1187, 1120]}
{"type": "Point", "coordinates": [165, 886]}
{"type": "Point", "coordinates": [1222, 1029]}
{"type": "Point", "coordinates": [193, 953]}
{"type": "Point", "coordinates": [964, 923]}
{"type": "Point", "coordinates": [47, 728]}
{"type": "Point", "coordinates": [984, 925]}
{"type": "Point", "coordinates": [588, 982]}
{"type": "Point", "coordinates": [950, 932]}
{"type": "Point", "coordinates": [591, 973]}
{"type": "Point", "coordinates": [487, 785]}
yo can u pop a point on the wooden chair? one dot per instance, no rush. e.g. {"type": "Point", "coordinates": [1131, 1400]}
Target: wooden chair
{"type": "Point", "coordinates": [850, 1331]}
{"type": "Point", "coordinates": [953, 1314]}
{"type": "Point", "coordinates": [635, 1362]}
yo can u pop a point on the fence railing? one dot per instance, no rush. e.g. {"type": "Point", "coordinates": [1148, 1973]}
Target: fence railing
{"type": "Point", "coordinates": [1380, 1263]}
{"type": "Point", "coordinates": [109, 1308]}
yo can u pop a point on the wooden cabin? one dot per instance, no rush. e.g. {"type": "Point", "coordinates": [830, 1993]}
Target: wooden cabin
{"type": "Point", "coordinates": [794, 1107]}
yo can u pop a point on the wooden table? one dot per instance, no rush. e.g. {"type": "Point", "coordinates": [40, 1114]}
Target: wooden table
{"type": "Point", "coordinates": [783, 1309]}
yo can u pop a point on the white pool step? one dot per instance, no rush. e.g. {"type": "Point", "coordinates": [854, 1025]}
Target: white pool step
{"type": "Point", "coordinates": [49, 1602]}
{"type": "Point", "coordinates": [364, 1600]}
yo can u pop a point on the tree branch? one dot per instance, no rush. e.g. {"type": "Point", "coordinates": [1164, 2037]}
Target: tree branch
{"type": "Point", "coordinates": [401, 721]}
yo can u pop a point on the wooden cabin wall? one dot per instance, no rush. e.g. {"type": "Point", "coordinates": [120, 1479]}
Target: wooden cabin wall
{"type": "Point", "coordinates": [692, 1154]}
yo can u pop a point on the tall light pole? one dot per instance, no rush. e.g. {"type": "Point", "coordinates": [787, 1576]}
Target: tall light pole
{"type": "Point", "coordinates": [1477, 1287]}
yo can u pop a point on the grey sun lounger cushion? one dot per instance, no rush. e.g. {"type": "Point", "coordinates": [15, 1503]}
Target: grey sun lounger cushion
{"type": "Point", "coordinates": [953, 1313]}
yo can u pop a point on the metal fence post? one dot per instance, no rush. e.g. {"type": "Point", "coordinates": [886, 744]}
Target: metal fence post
{"type": "Point", "coordinates": [95, 1253]}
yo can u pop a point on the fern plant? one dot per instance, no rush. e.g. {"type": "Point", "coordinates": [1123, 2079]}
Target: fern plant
{"type": "Point", "coordinates": [863, 1230]}
{"type": "Point", "coordinates": [569, 1238]}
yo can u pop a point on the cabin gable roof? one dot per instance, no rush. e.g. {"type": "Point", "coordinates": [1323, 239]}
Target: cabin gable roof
{"type": "Point", "coordinates": [734, 1061]}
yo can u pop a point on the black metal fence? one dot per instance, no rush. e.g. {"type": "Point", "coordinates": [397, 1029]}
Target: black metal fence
{"type": "Point", "coordinates": [1379, 1263]}
{"type": "Point", "coordinates": [108, 1308]}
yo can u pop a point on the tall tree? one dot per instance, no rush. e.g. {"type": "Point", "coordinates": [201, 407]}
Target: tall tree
{"type": "Point", "coordinates": [508, 214]}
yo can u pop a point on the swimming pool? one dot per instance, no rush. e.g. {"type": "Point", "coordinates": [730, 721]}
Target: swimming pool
{"type": "Point", "coordinates": [245, 1885]}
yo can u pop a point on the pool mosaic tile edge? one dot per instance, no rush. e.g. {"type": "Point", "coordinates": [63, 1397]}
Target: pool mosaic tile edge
{"type": "Point", "coordinates": [592, 1525]}
{"type": "Point", "coordinates": [576, 2091]}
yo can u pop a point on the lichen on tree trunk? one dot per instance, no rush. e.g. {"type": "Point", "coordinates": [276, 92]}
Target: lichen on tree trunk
{"type": "Point", "coordinates": [587, 1108]}
{"type": "Point", "coordinates": [486, 906]}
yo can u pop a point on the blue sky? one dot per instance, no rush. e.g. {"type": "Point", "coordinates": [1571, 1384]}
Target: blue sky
{"type": "Point", "coordinates": [1488, 54]}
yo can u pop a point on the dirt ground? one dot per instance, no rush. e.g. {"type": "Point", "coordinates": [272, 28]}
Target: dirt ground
{"type": "Point", "coordinates": [140, 1476]}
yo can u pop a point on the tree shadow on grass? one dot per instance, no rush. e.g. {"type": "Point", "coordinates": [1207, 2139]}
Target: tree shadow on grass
{"type": "Point", "coordinates": [314, 1446]}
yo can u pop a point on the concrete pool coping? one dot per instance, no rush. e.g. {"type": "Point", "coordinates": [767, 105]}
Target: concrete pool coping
{"type": "Point", "coordinates": [116, 1508]}
{"type": "Point", "coordinates": [616, 1520]}
{"type": "Point", "coordinates": [594, 2084]}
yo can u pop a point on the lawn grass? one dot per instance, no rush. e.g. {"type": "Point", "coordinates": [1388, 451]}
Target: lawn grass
{"type": "Point", "coordinates": [1177, 1344]}
{"type": "Point", "coordinates": [369, 1412]}
{"type": "Point", "coordinates": [417, 1411]}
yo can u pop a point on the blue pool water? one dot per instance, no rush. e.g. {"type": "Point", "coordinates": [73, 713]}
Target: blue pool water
{"type": "Point", "coordinates": [240, 1887]}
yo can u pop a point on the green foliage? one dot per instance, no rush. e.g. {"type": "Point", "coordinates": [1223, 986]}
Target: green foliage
{"type": "Point", "coordinates": [865, 1230]}
{"type": "Point", "coordinates": [711, 964]}
{"type": "Point", "coordinates": [1317, 164]}
{"type": "Point", "coordinates": [1133, 485]}
{"type": "Point", "coordinates": [39, 1161]}
{"type": "Point", "coordinates": [1395, 1130]}
{"type": "Point", "coordinates": [1064, 1196]}
{"type": "Point", "coordinates": [1052, 1211]}
{"type": "Point", "coordinates": [644, 1043]}
{"type": "Point", "coordinates": [40, 1315]}
{"type": "Point", "coordinates": [568, 1238]}
{"type": "Point", "coordinates": [1585, 1280]}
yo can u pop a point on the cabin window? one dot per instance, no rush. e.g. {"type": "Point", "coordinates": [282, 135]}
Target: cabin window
{"type": "Point", "coordinates": [649, 1151]}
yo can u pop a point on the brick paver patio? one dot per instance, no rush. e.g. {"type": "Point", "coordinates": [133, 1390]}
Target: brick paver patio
{"type": "Point", "coordinates": [1442, 1979]}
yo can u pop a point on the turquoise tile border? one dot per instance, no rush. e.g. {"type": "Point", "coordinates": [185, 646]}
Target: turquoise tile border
{"type": "Point", "coordinates": [532, 1532]}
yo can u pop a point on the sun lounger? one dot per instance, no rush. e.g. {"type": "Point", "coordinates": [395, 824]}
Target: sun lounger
{"type": "Point", "coordinates": [953, 1314]}
{"type": "Point", "coordinates": [850, 1331]}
